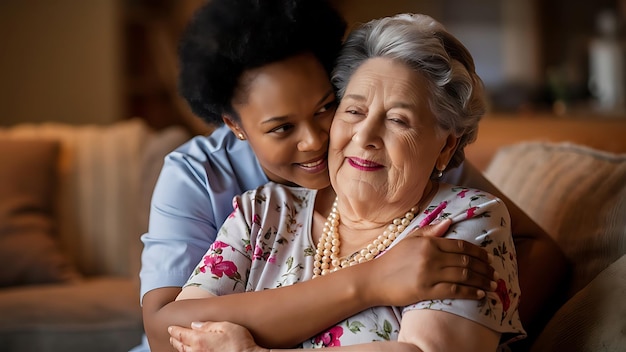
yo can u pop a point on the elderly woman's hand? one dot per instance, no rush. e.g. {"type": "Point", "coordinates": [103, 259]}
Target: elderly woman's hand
{"type": "Point", "coordinates": [213, 337]}
{"type": "Point", "coordinates": [425, 266]}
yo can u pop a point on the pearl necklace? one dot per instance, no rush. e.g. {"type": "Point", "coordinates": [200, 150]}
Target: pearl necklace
{"type": "Point", "coordinates": [327, 251]}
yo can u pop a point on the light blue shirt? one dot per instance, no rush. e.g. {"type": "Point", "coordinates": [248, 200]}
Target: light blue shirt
{"type": "Point", "coordinates": [192, 198]}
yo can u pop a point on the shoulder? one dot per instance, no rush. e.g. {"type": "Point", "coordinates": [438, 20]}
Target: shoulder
{"type": "Point", "coordinates": [474, 213]}
{"type": "Point", "coordinates": [219, 149]}
{"type": "Point", "coordinates": [461, 195]}
{"type": "Point", "coordinates": [218, 162]}
{"type": "Point", "coordinates": [272, 195]}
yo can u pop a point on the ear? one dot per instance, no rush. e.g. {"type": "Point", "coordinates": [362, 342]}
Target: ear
{"type": "Point", "coordinates": [234, 127]}
{"type": "Point", "coordinates": [447, 151]}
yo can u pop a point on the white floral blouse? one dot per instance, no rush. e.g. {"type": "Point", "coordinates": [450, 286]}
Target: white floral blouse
{"type": "Point", "coordinates": [266, 243]}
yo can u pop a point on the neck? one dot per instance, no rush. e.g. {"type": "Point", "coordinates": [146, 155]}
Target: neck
{"type": "Point", "coordinates": [364, 216]}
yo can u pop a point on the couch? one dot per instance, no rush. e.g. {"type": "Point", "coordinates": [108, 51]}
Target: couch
{"type": "Point", "coordinates": [74, 201]}
{"type": "Point", "coordinates": [569, 175]}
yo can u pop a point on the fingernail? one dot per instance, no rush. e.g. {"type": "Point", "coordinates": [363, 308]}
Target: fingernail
{"type": "Point", "coordinates": [169, 329]}
{"type": "Point", "coordinates": [493, 285]}
{"type": "Point", "coordinates": [490, 258]}
{"type": "Point", "coordinates": [480, 293]}
{"type": "Point", "coordinates": [496, 276]}
{"type": "Point", "coordinates": [196, 324]}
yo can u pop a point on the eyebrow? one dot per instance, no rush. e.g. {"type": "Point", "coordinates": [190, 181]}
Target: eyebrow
{"type": "Point", "coordinates": [281, 118]}
{"type": "Point", "coordinates": [396, 104]}
{"type": "Point", "coordinates": [356, 97]}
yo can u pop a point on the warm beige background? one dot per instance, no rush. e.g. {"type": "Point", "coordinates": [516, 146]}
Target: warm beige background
{"type": "Point", "coordinates": [59, 61]}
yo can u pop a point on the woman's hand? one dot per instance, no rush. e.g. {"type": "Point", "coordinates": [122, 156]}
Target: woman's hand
{"type": "Point", "coordinates": [213, 337]}
{"type": "Point", "coordinates": [425, 266]}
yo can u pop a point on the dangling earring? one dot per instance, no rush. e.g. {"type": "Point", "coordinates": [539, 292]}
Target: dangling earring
{"type": "Point", "coordinates": [241, 137]}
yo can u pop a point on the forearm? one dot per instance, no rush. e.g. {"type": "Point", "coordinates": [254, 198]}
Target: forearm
{"type": "Point", "coordinates": [319, 303]}
{"type": "Point", "coordinates": [383, 346]}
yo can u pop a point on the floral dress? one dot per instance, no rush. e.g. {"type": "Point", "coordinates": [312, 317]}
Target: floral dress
{"type": "Point", "coordinates": [266, 243]}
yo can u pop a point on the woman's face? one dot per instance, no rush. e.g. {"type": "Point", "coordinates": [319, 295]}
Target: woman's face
{"type": "Point", "coordinates": [286, 113]}
{"type": "Point", "coordinates": [385, 141]}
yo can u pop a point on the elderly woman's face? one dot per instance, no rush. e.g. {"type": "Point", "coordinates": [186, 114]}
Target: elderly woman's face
{"type": "Point", "coordinates": [385, 141]}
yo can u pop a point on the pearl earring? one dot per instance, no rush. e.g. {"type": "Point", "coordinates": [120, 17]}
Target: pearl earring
{"type": "Point", "coordinates": [440, 171]}
{"type": "Point", "coordinates": [240, 136]}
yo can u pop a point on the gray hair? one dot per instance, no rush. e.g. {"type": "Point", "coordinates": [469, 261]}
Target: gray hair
{"type": "Point", "coordinates": [457, 97]}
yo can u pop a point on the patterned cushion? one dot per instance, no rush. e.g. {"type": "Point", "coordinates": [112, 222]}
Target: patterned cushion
{"type": "Point", "coordinates": [577, 194]}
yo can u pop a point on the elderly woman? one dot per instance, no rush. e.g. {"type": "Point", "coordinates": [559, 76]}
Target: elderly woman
{"type": "Point", "coordinates": [410, 103]}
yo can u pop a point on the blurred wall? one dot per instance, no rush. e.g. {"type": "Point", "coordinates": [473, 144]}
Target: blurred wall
{"type": "Point", "coordinates": [60, 61]}
{"type": "Point", "coordinates": [500, 34]}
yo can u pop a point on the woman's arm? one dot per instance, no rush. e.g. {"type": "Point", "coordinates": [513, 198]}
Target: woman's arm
{"type": "Point", "coordinates": [467, 336]}
{"type": "Point", "coordinates": [542, 265]}
{"type": "Point", "coordinates": [380, 282]}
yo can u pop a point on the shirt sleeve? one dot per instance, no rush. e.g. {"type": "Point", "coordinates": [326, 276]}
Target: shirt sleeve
{"type": "Point", "coordinates": [483, 219]}
{"type": "Point", "coordinates": [181, 225]}
{"type": "Point", "coordinates": [192, 198]}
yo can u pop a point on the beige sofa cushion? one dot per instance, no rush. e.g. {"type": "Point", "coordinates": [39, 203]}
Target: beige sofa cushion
{"type": "Point", "coordinates": [29, 250]}
{"type": "Point", "coordinates": [593, 320]}
{"type": "Point", "coordinates": [98, 190]}
{"type": "Point", "coordinates": [577, 194]}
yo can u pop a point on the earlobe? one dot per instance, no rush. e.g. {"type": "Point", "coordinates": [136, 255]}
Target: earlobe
{"type": "Point", "coordinates": [234, 127]}
{"type": "Point", "coordinates": [449, 148]}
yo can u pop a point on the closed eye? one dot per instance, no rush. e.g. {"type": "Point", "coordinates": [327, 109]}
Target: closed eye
{"type": "Point", "coordinates": [354, 112]}
{"type": "Point", "coordinates": [398, 121]}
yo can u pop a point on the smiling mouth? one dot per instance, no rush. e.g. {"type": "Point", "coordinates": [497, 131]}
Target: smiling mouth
{"type": "Point", "coordinates": [364, 165]}
{"type": "Point", "coordinates": [314, 163]}
{"type": "Point", "coordinates": [315, 166]}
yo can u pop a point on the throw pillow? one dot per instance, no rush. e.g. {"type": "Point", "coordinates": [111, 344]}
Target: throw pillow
{"type": "Point", "coordinates": [592, 320]}
{"type": "Point", "coordinates": [29, 253]}
{"type": "Point", "coordinates": [577, 194]}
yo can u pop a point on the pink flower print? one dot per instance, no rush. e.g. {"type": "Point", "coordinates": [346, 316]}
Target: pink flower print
{"type": "Point", "coordinates": [256, 219]}
{"type": "Point", "coordinates": [218, 245]}
{"type": "Point", "coordinates": [503, 294]}
{"type": "Point", "coordinates": [235, 207]}
{"type": "Point", "coordinates": [433, 215]}
{"type": "Point", "coordinates": [272, 259]}
{"type": "Point", "coordinates": [471, 212]}
{"type": "Point", "coordinates": [218, 266]}
{"type": "Point", "coordinates": [462, 193]}
{"type": "Point", "coordinates": [330, 338]}
{"type": "Point", "coordinates": [248, 248]}
{"type": "Point", "coordinates": [258, 253]}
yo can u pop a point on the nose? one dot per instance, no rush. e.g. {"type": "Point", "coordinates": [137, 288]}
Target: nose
{"type": "Point", "coordinates": [368, 133]}
{"type": "Point", "coordinates": [313, 138]}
